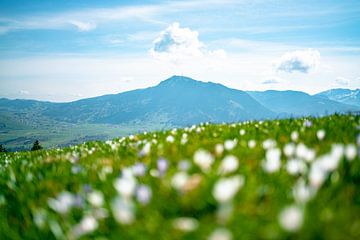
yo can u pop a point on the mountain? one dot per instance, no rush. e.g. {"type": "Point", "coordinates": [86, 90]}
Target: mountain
{"type": "Point", "coordinates": [177, 100]}
{"type": "Point", "coordinates": [342, 95]}
{"type": "Point", "coordinates": [294, 103]}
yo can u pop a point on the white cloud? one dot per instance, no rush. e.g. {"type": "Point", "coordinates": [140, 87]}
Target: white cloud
{"type": "Point", "coordinates": [176, 44]}
{"type": "Point", "coordinates": [83, 26]}
{"type": "Point", "coordinates": [302, 61]}
{"type": "Point", "coordinates": [342, 81]}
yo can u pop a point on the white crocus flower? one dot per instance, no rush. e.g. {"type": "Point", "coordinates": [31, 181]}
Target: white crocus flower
{"type": "Point", "coordinates": [302, 193]}
{"type": "Point", "coordinates": [229, 164]}
{"type": "Point", "coordinates": [291, 218]}
{"type": "Point", "coordinates": [289, 149]}
{"type": "Point", "coordinates": [272, 161]}
{"type": "Point", "coordinates": [125, 186]}
{"type": "Point", "coordinates": [294, 136]}
{"type": "Point", "coordinates": [295, 166]}
{"type": "Point", "coordinates": [219, 149]}
{"type": "Point", "coordinates": [269, 143]}
{"type": "Point", "coordinates": [96, 198]}
{"type": "Point", "coordinates": [170, 139]}
{"type": "Point", "coordinates": [320, 134]}
{"type": "Point", "coordinates": [350, 152]}
{"type": "Point", "coordinates": [123, 210]}
{"type": "Point", "coordinates": [203, 159]}
{"type": "Point", "coordinates": [63, 203]}
{"type": "Point", "coordinates": [304, 152]}
{"type": "Point", "coordinates": [251, 143]}
{"type": "Point", "coordinates": [230, 144]}
{"type": "Point", "coordinates": [185, 224]}
{"type": "Point", "coordinates": [179, 180]}
{"type": "Point", "coordinates": [226, 188]}
{"type": "Point", "coordinates": [87, 225]}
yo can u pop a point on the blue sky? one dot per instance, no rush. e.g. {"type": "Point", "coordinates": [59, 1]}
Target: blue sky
{"type": "Point", "coordinates": [66, 50]}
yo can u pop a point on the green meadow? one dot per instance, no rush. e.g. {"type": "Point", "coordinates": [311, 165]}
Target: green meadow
{"type": "Point", "coordinates": [279, 179]}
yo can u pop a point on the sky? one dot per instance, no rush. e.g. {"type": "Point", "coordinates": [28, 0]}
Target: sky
{"type": "Point", "coordinates": [67, 50]}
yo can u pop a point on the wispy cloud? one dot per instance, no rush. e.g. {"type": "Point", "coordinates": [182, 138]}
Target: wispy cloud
{"type": "Point", "coordinates": [273, 80]}
{"type": "Point", "coordinates": [88, 19]}
{"type": "Point", "coordinates": [83, 26]}
{"type": "Point", "coordinates": [342, 81]}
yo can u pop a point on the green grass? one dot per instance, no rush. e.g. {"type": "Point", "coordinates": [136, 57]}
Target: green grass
{"type": "Point", "coordinates": [60, 134]}
{"type": "Point", "coordinates": [29, 180]}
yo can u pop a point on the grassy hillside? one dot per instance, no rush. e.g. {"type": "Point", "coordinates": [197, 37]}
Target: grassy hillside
{"type": "Point", "coordinates": [281, 179]}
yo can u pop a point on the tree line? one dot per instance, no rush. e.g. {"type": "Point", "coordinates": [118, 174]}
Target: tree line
{"type": "Point", "coordinates": [36, 146]}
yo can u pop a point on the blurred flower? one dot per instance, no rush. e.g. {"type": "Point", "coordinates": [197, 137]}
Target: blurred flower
{"type": "Point", "coordinates": [242, 132]}
{"type": "Point", "coordinates": [162, 166]}
{"type": "Point", "coordinates": [76, 169]}
{"type": "Point", "coordinates": [295, 166]}
{"type": "Point", "coordinates": [305, 153]}
{"type": "Point", "coordinates": [170, 139]}
{"type": "Point", "coordinates": [96, 198]}
{"type": "Point", "coordinates": [272, 161]}
{"type": "Point", "coordinates": [229, 164]}
{"type": "Point", "coordinates": [289, 149]}
{"type": "Point", "coordinates": [184, 138]}
{"type": "Point", "coordinates": [350, 152]}
{"type": "Point", "coordinates": [146, 149]}
{"type": "Point", "coordinates": [123, 210]}
{"type": "Point", "coordinates": [269, 143]}
{"type": "Point", "coordinates": [307, 123]}
{"type": "Point", "coordinates": [143, 194]}
{"type": "Point", "coordinates": [192, 183]}
{"type": "Point", "coordinates": [219, 149]}
{"type": "Point", "coordinates": [320, 134]}
{"type": "Point", "coordinates": [302, 192]}
{"type": "Point", "coordinates": [251, 143]}
{"type": "Point", "coordinates": [317, 175]}
{"type": "Point", "coordinates": [125, 186]}
{"type": "Point", "coordinates": [179, 180]}
{"type": "Point", "coordinates": [185, 224]}
{"type": "Point", "coordinates": [184, 165]}
{"type": "Point", "coordinates": [39, 217]}
{"type": "Point", "coordinates": [63, 203]}
{"type": "Point", "coordinates": [226, 188]}
{"type": "Point", "coordinates": [220, 234]}
{"type": "Point", "coordinates": [291, 218]}
{"type": "Point", "coordinates": [87, 225]}
{"type": "Point", "coordinates": [139, 169]}
{"type": "Point", "coordinates": [230, 144]}
{"type": "Point", "coordinates": [294, 136]}
{"type": "Point", "coordinates": [203, 159]}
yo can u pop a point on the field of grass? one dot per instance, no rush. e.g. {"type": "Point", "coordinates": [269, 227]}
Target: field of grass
{"type": "Point", "coordinates": [280, 179]}
{"type": "Point", "coordinates": [60, 134]}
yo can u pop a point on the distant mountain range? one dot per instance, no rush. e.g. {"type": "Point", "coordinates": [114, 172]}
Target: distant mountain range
{"type": "Point", "coordinates": [182, 101]}
{"type": "Point", "coordinates": [175, 102]}
{"type": "Point", "coordinates": [342, 95]}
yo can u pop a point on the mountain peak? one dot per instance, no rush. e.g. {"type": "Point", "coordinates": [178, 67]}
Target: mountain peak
{"type": "Point", "coordinates": [177, 80]}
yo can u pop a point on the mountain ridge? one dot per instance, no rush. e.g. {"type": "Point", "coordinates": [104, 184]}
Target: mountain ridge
{"type": "Point", "coordinates": [181, 100]}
